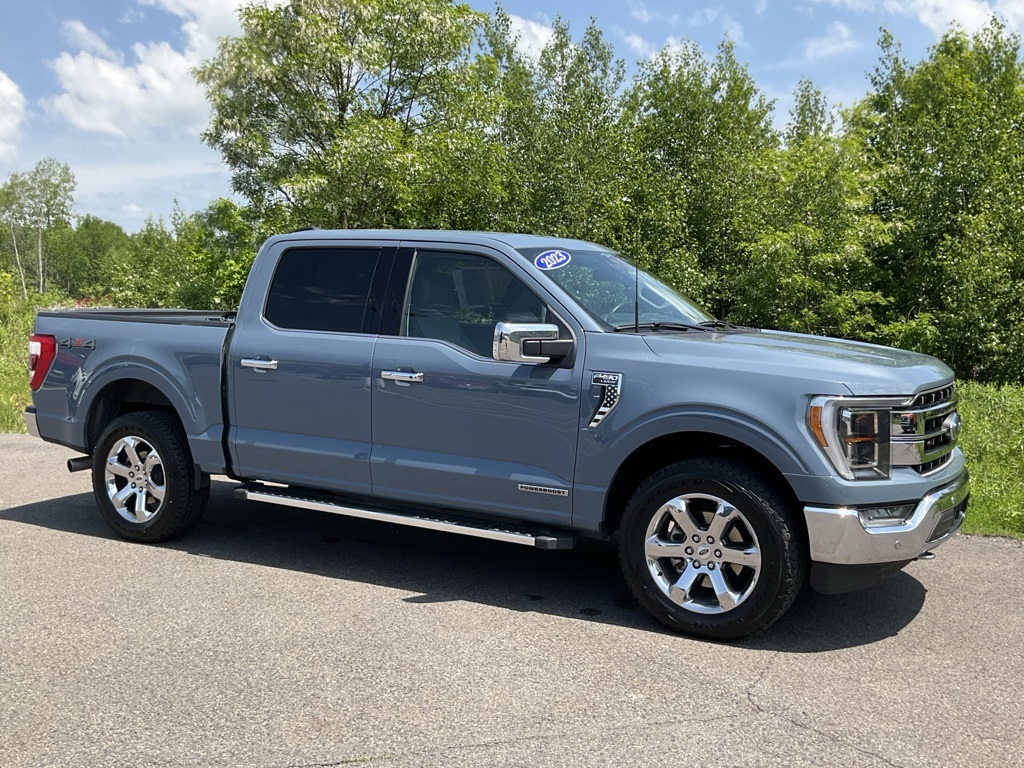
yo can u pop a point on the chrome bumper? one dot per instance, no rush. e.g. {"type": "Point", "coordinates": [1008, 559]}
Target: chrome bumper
{"type": "Point", "coordinates": [30, 421]}
{"type": "Point", "coordinates": [837, 536]}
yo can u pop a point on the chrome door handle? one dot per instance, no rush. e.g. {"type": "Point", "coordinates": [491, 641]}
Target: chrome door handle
{"type": "Point", "coordinates": [260, 365]}
{"type": "Point", "coordinates": [407, 378]}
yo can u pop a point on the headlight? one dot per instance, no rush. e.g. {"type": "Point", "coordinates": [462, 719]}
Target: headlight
{"type": "Point", "coordinates": [854, 434]}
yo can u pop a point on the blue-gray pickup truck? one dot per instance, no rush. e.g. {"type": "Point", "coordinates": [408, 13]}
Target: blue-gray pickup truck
{"type": "Point", "coordinates": [519, 388]}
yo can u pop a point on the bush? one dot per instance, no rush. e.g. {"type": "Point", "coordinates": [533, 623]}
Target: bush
{"type": "Point", "coordinates": [16, 316]}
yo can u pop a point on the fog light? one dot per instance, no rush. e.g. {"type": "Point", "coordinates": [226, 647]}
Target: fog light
{"type": "Point", "coordinates": [876, 517]}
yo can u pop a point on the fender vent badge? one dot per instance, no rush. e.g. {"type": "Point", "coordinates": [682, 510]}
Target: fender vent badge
{"type": "Point", "coordinates": [611, 388]}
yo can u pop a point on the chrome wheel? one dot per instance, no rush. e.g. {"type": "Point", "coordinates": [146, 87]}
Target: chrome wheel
{"type": "Point", "coordinates": [702, 553]}
{"type": "Point", "coordinates": [134, 479]}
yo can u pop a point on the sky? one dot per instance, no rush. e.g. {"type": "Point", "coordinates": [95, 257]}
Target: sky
{"type": "Point", "coordinates": [105, 86]}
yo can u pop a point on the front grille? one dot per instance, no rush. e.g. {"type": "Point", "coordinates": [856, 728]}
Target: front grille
{"type": "Point", "coordinates": [926, 399]}
{"type": "Point", "coordinates": [931, 466]}
{"type": "Point", "coordinates": [949, 520]}
{"type": "Point", "coordinates": [922, 431]}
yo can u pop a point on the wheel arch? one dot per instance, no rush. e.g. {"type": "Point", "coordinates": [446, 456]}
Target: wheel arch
{"type": "Point", "coordinates": [661, 451]}
{"type": "Point", "coordinates": [128, 394]}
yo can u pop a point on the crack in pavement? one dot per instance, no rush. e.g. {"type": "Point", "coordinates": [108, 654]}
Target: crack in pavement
{"type": "Point", "coordinates": [761, 710]}
{"type": "Point", "coordinates": [503, 742]}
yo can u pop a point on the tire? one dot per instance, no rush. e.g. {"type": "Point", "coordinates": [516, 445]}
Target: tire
{"type": "Point", "coordinates": [710, 550]}
{"type": "Point", "coordinates": [142, 478]}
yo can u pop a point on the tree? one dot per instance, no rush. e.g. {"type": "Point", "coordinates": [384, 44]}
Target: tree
{"type": "Point", "coordinates": [563, 136]}
{"type": "Point", "coordinates": [12, 211]}
{"type": "Point", "coordinates": [704, 145]}
{"type": "Point", "coordinates": [942, 141]}
{"type": "Point", "coordinates": [323, 107]}
{"type": "Point", "coordinates": [809, 268]}
{"type": "Point", "coordinates": [48, 196]}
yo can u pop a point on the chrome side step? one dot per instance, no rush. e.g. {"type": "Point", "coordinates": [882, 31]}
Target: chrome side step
{"type": "Point", "coordinates": [512, 534]}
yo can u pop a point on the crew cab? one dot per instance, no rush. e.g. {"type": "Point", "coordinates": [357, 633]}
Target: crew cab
{"type": "Point", "coordinates": [520, 388]}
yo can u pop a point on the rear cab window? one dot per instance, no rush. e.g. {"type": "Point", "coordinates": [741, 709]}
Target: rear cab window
{"type": "Point", "coordinates": [322, 289]}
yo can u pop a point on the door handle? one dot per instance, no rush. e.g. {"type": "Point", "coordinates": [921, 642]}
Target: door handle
{"type": "Point", "coordinates": [407, 378]}
{"type": "Point", "coordinates": [259, 365]}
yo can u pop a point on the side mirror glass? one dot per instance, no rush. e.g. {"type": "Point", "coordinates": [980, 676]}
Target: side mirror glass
{"type": "Point", "coordinates": [512, 339]}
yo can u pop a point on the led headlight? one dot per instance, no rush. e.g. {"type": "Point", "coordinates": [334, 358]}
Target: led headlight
{"type": "Point", "coordinates": [854, 434]}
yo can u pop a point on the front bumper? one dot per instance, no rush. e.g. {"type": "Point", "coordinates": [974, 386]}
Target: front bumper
{"type": "Point", "coordinates": [837, 537]}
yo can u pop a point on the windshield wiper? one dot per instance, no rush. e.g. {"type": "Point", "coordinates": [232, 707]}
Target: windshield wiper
{"type": "Point", "coordinates": [661, 326]}
{"type": "Point", "coordinates": [716, 324]}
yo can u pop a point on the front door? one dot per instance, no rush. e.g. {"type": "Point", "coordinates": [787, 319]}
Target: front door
{"type": "Point", "coordinates": [452, 427]}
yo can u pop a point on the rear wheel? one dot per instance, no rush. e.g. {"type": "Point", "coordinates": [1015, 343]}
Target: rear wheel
{"type": "Point", "coordinates": [710, 550]}
{"type": "Point", "coordinates": [143, 478]}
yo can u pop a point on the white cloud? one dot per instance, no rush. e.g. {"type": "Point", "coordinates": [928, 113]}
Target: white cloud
{"type": "Point", "coordinates": [76, 34]}
{"type": "Point", "coordinates": [531, 36]}
{"type": "Point", "coordinates": [703, 16]}
{"type": "Point", "coordinates": [734, 30]}
{"type": "Point", "coordinates": [105, 91]}
{"type": "Point", "coordinates": [639, 12]}
{"type": "Point", "coordinates": [837, 39]}
{"type": "Point", "coordinates": [637, 44]}
{"type": "Point", "coordinates": [12, 112]}
{"type": "Point", "coordinates": [760, 6]}
{"type": "Point", "coordinates": [714, 14]}
{"type": "Point", "coordinates": [937, 15]}
{"type": "Point", "coordinates": [644, 15]}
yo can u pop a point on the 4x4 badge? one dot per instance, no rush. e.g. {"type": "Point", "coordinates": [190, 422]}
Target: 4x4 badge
{"type": "Point", "coordinates": [78, 343]}
{"type": "Point", "coordinates": [611, 388]}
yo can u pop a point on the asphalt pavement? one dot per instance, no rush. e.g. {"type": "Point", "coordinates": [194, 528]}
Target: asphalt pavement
{"type": "Point", "coordinates": [278, 637]}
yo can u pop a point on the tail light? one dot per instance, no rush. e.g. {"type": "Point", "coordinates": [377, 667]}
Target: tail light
{"type": "Point", "coordinates": [41, 351]}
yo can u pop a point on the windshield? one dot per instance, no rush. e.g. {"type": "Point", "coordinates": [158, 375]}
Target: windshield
{"type": "Point", "coordinates": [607, 286]}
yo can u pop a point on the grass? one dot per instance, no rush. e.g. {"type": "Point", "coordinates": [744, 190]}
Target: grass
{"type": "Point", "coordinates": [992, 438]}
{"type": "Point", "coordinates": [993, 441]}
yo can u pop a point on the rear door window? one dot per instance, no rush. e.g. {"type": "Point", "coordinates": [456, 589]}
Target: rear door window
{"type": "Point", "coordinates": [322, 289]}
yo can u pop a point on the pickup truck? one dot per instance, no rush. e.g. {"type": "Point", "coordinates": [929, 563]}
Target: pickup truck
{"type": "Point", "coordinates": [520, 388]}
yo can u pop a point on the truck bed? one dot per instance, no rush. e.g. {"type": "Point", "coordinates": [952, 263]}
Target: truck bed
{"type": "Point", "coordinates": [174, 352]}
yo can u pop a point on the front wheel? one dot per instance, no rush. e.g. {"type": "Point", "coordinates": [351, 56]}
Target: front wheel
{"type": "Point", "coordinates": [142, 478]}
{"type": "Point", "coordinates": [710, 550]}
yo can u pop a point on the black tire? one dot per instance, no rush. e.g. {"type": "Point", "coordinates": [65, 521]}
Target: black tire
{"type": "Point", "coordinates": [723, 596]}
{"type": "Point", "coordinates": [162, 465]}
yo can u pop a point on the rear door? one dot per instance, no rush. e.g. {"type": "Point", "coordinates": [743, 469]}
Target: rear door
{"type": "Point", "coordinates": [452, 426]}
{"type": "Point", "coordinates": [299, 366]}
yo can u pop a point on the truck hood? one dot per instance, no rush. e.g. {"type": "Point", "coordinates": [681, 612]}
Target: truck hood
{"type": "Point", "coordinates": [863, 369]}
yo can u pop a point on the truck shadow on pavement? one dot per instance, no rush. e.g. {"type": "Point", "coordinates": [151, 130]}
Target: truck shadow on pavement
{"type": "Point", "coordinates": [583, 583]}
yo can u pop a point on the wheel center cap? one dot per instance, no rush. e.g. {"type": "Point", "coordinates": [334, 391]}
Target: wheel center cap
{"type": "Point", "coordinates": [703, 551]}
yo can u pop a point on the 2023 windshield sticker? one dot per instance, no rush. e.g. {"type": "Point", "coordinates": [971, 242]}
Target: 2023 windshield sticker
{"type": "Point", "coordinates": [553, 259]}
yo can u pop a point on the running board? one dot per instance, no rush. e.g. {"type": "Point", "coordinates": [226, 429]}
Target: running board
{"type": "Point", "coordinates": [541, 538]}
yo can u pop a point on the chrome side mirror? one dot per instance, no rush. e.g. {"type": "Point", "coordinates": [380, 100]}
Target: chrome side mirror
{"type": "Point", "coordinates": [510, 338]}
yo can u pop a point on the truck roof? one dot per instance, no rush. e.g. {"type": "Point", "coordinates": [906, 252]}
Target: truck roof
{"type": "Point", "coordinates": [510, 239]}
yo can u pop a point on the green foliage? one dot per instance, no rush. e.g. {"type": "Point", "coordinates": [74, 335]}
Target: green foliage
{"type": "Point", "coordinates": [809, 267]}
{"type": "Point", "coordinates": [16, 317]}
{"type": "Point", "coordinates": [941, 140]}
{"type": "Point", "coordinates": [994, 445]}
{"type": "Point", "coordinates": [702, 143]}
{"type": "Point", "coordinates": [327, 107]}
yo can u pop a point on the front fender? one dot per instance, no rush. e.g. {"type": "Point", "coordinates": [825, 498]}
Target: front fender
{"type": "Point", "coordinates": [601, 453]}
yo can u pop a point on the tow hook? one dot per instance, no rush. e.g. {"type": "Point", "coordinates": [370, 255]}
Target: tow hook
{"type": "Point", "coordinates": [926, 556]}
